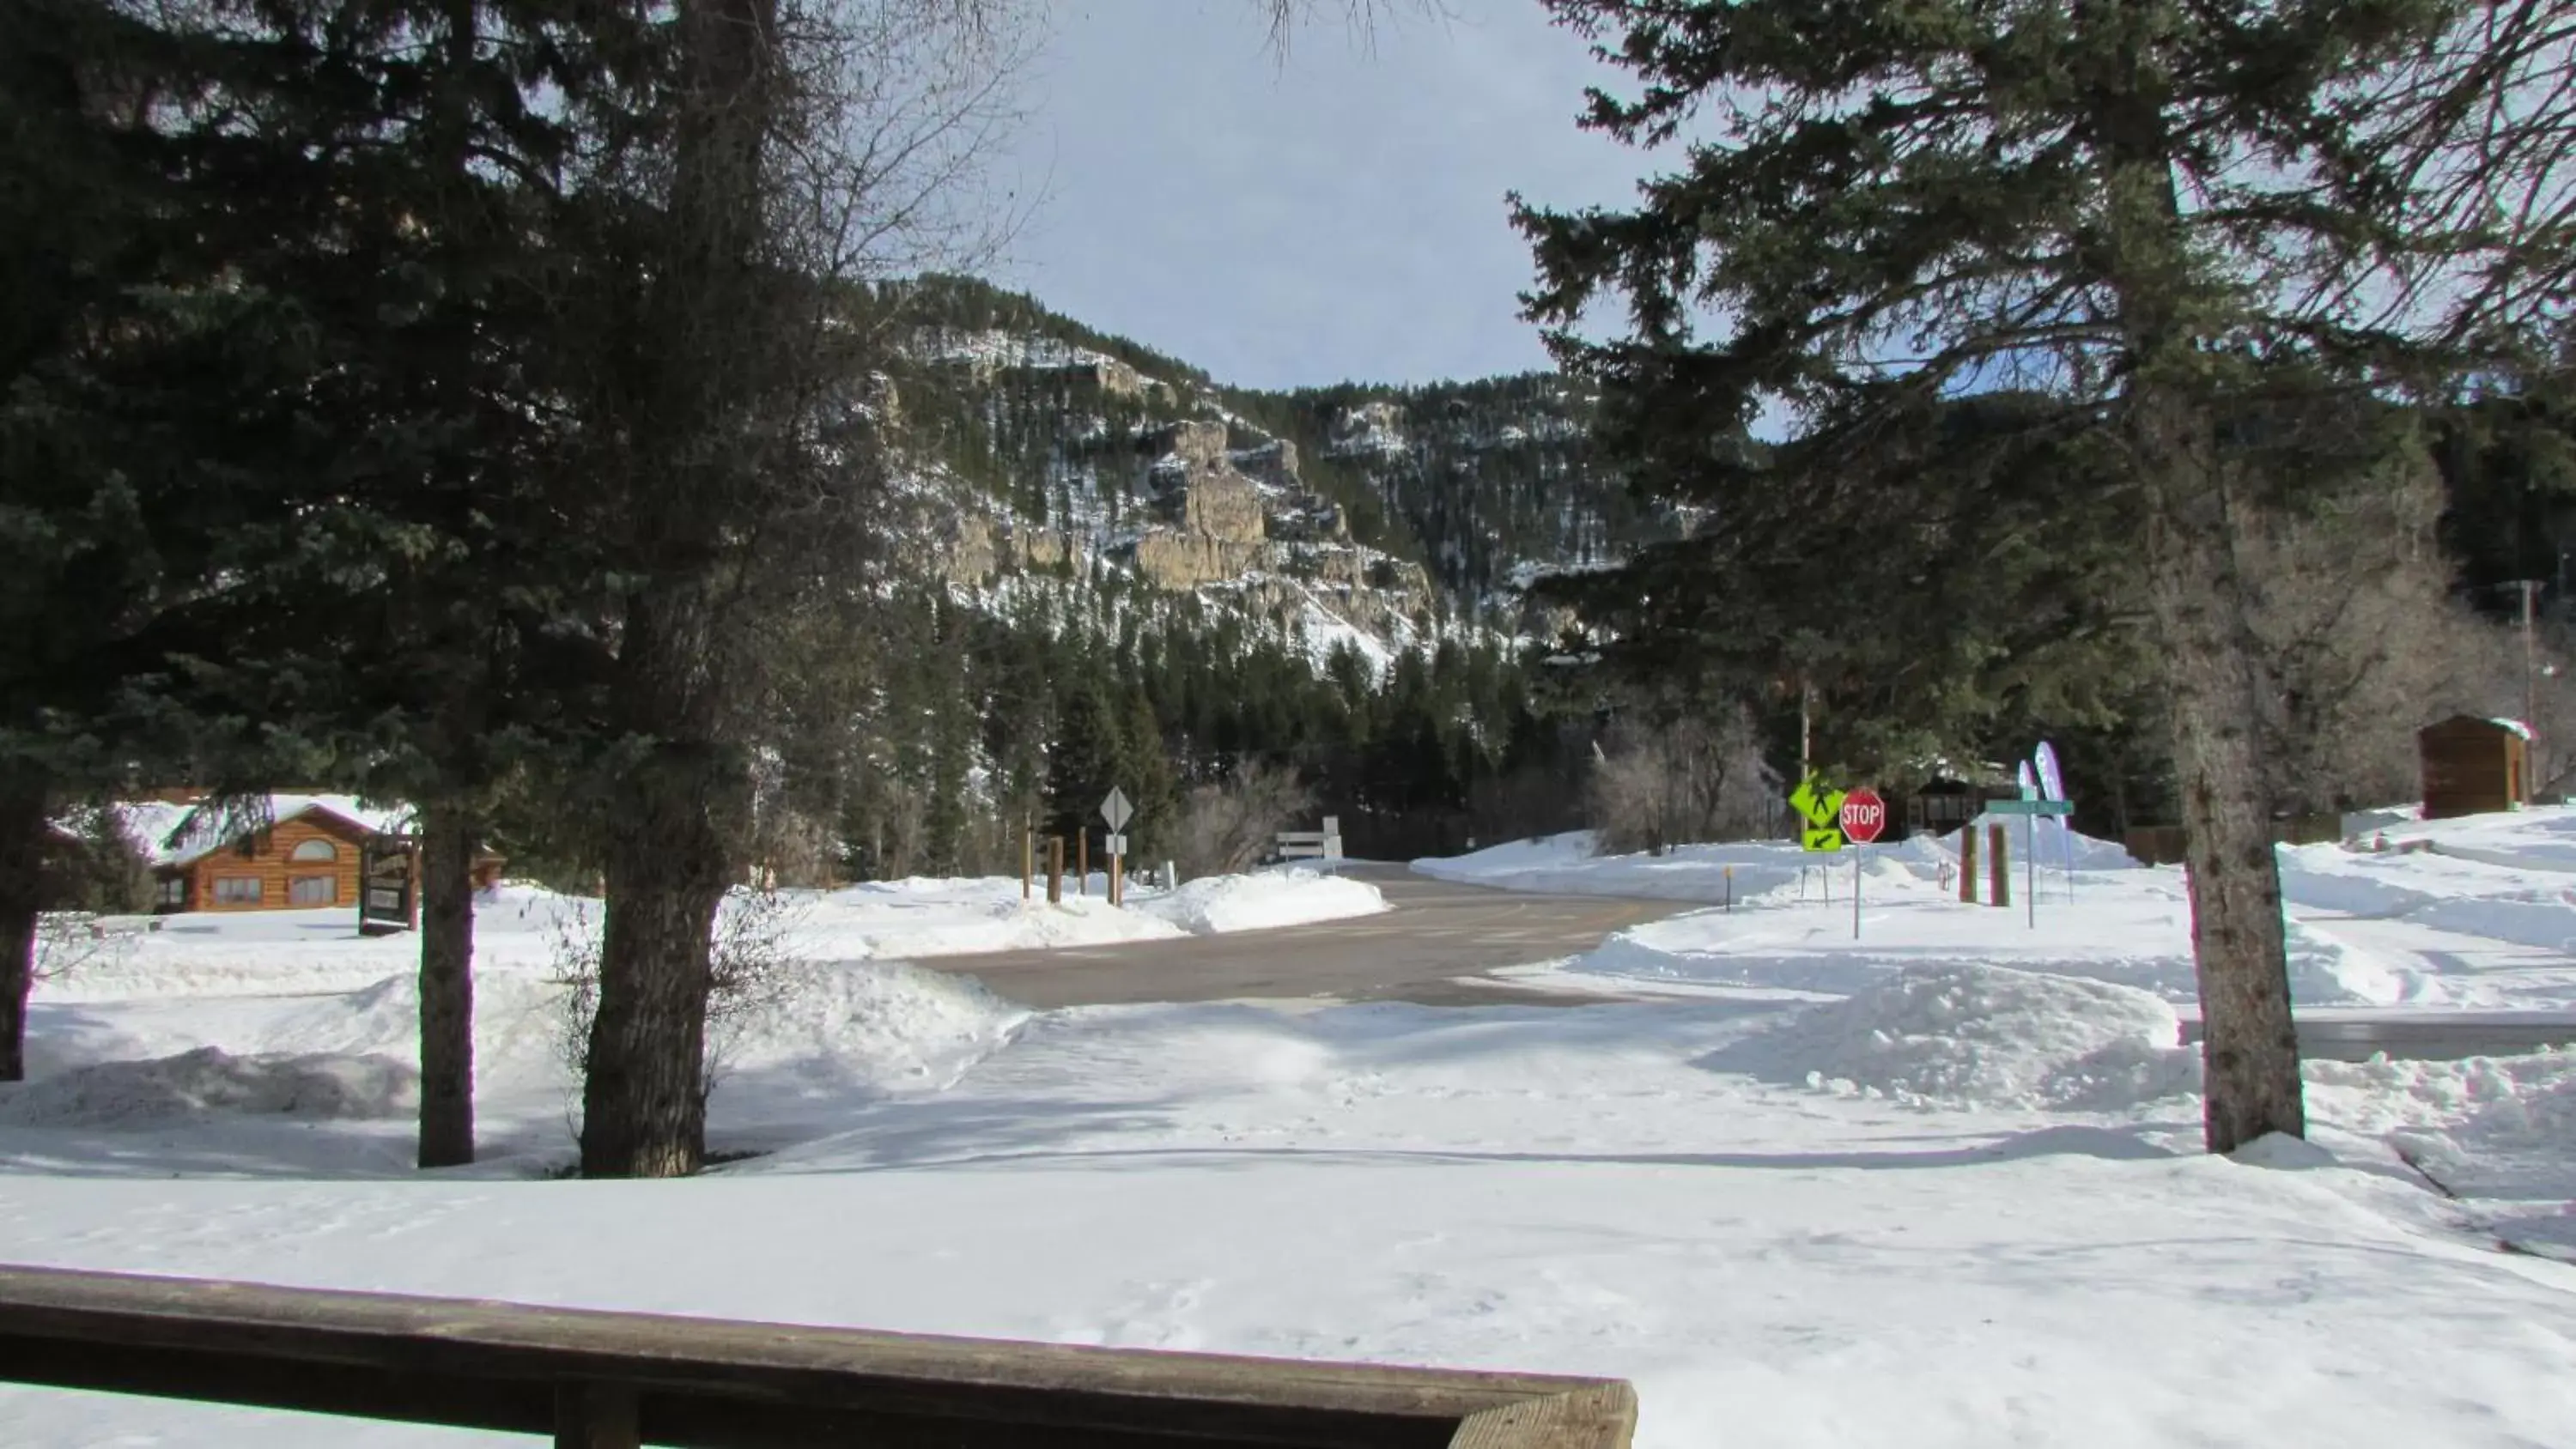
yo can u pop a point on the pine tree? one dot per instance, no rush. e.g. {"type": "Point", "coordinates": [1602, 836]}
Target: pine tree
{"type": "Point", "coordinates": [1085, 760]}
{"type": "Point", "coordinates": [1148, 778]}
{"type": "Point", "coordinates": [2145, 211]}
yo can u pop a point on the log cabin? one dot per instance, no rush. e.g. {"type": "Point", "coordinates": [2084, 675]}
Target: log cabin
{"type": "Point", "coordinates": [305, 858]}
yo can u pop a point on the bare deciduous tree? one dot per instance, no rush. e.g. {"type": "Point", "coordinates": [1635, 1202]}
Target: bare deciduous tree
{"type": "Point", "coordinates": [1227, 826]}
{"type": "Point", "coordinates": [1681, 782]}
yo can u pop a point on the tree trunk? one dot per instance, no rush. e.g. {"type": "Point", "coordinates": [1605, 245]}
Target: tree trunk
{"type": "Point", "coordinates": [23, 830]}
{"type": "Point", "coordinates": [447, 840]}
{"type": "Point", "coordinates": [644, 1105]}
{"type": "Point", "coordinates": [2213, 661]}
{"type": "Point", "coordinates": [2249, 1043]}
{"type": "Point", "coordinates": [681, 811]}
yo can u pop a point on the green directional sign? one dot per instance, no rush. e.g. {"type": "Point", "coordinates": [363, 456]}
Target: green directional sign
{"type": "Point", "coordinates": [2030, 807]}
{"type": "Point", "coordinates": [1826, 838]}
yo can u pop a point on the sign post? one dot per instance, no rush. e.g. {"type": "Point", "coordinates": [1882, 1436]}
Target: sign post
{"type": "Point", "coordinates": [2052, 786]}
{"type": "Point", "coordinates": [1863, 819]}
{"type": "Point", "coordinates": [388, 893]}
{"type": "Point", "coordinates": [2030, 809]}
{"type": "Point", "coordinates": [1117, 812]}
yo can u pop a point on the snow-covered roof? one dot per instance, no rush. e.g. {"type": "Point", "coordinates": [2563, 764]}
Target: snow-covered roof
{"type": "Point", "coordinates": [172, 838]}
{"type": "Point", "coordinates": [2514, 725]}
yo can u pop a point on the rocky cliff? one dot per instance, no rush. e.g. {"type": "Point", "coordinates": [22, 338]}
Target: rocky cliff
{"type": "Point", "coordinates": [1375, 518]}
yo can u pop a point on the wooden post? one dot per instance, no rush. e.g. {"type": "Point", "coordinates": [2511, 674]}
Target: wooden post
{"type": "Point", "coordinates": [1999, 864]}
{"type": "Point", "coordinates": [1055, 870]}
{"type": "Point", "coordinates": [1968, 863]}
{"type": "Point", "coordinates": [1028, 858]}
{"type": "Point", "coordinates": [1082, 861]}
{"type": "Point", "coordinates": [1117, 886]}
{"type": "Point", "coordinates": [596, 1416]}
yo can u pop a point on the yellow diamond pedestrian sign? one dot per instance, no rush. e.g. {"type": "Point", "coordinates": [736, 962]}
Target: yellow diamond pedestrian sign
{"type": "Point", "coordinates": [1822, 807]}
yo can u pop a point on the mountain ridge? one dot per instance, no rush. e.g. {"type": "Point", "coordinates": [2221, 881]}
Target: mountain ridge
{"type": "Point", "coordinates": [1386, 517]}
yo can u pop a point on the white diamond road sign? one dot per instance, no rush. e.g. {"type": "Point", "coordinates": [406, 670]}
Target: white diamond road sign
{"type": "Point", "coordinates": [1116, 810]}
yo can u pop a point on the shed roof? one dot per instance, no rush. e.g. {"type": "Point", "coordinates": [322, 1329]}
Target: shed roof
{"type": "Point", "coordinates": [2477, 724]}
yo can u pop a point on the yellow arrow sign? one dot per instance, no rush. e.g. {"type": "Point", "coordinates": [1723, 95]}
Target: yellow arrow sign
{"type": "Point", "coordinates": [1825, 838]}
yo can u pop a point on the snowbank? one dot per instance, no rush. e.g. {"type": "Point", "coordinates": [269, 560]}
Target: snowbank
{"type": "Point", "coordinates": [1263, 902]}
{"type": "Point", "coordinates": [1746, 872]}
{"type": "Point", "coordinates": [175, 1090]}
{"type": "Point", "coordinates": [1566, 865]}
{"type": "Point", "coordinates": [883, 1027]}
{"type": "Point", "coordinates": [1980, 1036]}
{"type": "Point", "coordinates": [519, 930]}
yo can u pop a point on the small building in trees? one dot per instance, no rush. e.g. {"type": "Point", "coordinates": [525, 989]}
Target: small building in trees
{"type": "Point", "coordinates": [1943, 804]}
{"type": "Point", "coordinates": [305, 857]}
{"type": "Point", "coordinates": [2473, 766]}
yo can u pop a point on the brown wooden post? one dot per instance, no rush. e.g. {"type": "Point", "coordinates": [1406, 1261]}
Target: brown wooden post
{"type": "Point", "coordinates": [596, 1416]}
{"type": "Point", "coordinates": [1117, 890]}
{"type": "Point", "coordinates": [1968, 863]}
{"type": "Point", "coordinates": [1055, 870]}
{"type": "Point", "coordinates": [1082, 861]}
{"type": "Point", "coordinates": [1999, 863]}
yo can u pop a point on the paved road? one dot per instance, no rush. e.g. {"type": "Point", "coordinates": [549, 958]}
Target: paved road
{"type": "Point", "coordinates": [1437, 933]}
{"type": "Point", "coordinates": [2355, 1037]}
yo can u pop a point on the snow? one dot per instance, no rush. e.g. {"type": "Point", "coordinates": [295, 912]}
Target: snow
{"type": "Point", "coordinates": [1941, 1187]}
{"type": "Point", "coordinates": [1980, 1036]}
{"type": "Point", "coordinates": [2477, 914]}
{"type": "Point", "coordinates": [210, 1081]}
{"type": "Point", "coordinates": [1269, 901]}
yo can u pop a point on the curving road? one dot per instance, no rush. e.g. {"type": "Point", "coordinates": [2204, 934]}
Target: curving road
{"type": "Point", "coordinates": [1440, 938]}
{"type": "Point", "coordinates": [1436, 934]}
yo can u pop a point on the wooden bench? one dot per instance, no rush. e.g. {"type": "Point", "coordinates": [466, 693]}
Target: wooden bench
{"type": "Point", "coordinates": [611, 1380]}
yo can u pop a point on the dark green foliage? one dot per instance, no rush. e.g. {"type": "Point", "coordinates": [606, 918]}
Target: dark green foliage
{"type": "Point", "coordinates": [98, 865]}
{"type": "Point", "coordinates": [1958, 584]}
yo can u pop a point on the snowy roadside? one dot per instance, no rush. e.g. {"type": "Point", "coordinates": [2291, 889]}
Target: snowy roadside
{"type": "Point", "coordinates": [1975, 1191]}
{"type": "Point", "coordinates": [1955, 1164]}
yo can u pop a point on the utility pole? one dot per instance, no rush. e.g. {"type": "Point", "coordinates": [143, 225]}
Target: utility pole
{"type": "Point", "coordinates": [2530, 687]}
{"type": "Point", "coordinates": [1806, 728]}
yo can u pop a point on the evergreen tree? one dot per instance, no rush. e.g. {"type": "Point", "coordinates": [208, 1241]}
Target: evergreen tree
{"type": "Point", "coordinates": [1150, 783]}
{"type": "Point", "coordinates": [1086, 760]}
{"type": "Point", "coordinates": [2148, 212]}
{"type": "Point", "coordinates": [143, 392]}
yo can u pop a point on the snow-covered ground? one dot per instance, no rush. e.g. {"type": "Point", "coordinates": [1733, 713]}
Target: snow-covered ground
{"type": "Point", "coordinates": [2475, 914]}
{"type": "Point", "coordinates": [1942, 1189]}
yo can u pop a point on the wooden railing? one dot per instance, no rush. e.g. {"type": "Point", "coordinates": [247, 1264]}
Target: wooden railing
{"type": "Point", "coordinates": [612, 1380]}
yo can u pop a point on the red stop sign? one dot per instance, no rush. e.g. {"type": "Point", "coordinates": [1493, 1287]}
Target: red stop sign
{"type": "Point", "coordinates": [1864, 816]}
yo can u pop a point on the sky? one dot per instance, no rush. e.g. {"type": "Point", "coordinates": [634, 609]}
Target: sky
{"type": "Point", "coordinates": [1338, 216]}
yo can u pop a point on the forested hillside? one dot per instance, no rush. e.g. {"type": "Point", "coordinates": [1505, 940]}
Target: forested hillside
{"type": "Point", "coordinates": [1143, 577]}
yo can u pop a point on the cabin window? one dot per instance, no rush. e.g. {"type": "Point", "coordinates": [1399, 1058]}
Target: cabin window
{"type": "Point", "coordinates": [236, 890]}
{"type": "Point", "coordinates": [313, 890]}
{"type": "Point", "coordinates": [174, 891]}
{"type": "Point", "coordinates": [314, 850]}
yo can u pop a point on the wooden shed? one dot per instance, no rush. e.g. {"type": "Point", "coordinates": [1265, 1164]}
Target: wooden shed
{"type": "Point", "coordinates": [2473, 766]}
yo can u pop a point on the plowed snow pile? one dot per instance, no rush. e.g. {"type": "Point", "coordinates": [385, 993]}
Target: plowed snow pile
{"type": "Point", "coordinates": [1979, 1036]}
{"type": "Point", "coordinates": [1264, 902]}
{"type": "Point", "coordinates": [210, 1081]}
{"type": "Point", "coordinates": [883, 1026]}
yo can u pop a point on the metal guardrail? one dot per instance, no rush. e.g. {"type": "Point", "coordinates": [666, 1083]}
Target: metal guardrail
{"type": "Point", "coordinates": [618, 1380]}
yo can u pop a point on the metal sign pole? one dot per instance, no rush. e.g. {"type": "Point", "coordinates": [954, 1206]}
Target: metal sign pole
{"type": "Point", "coordinates": [1856, 850]}
{"type": "Point", "coordinates": [2030, 849]}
